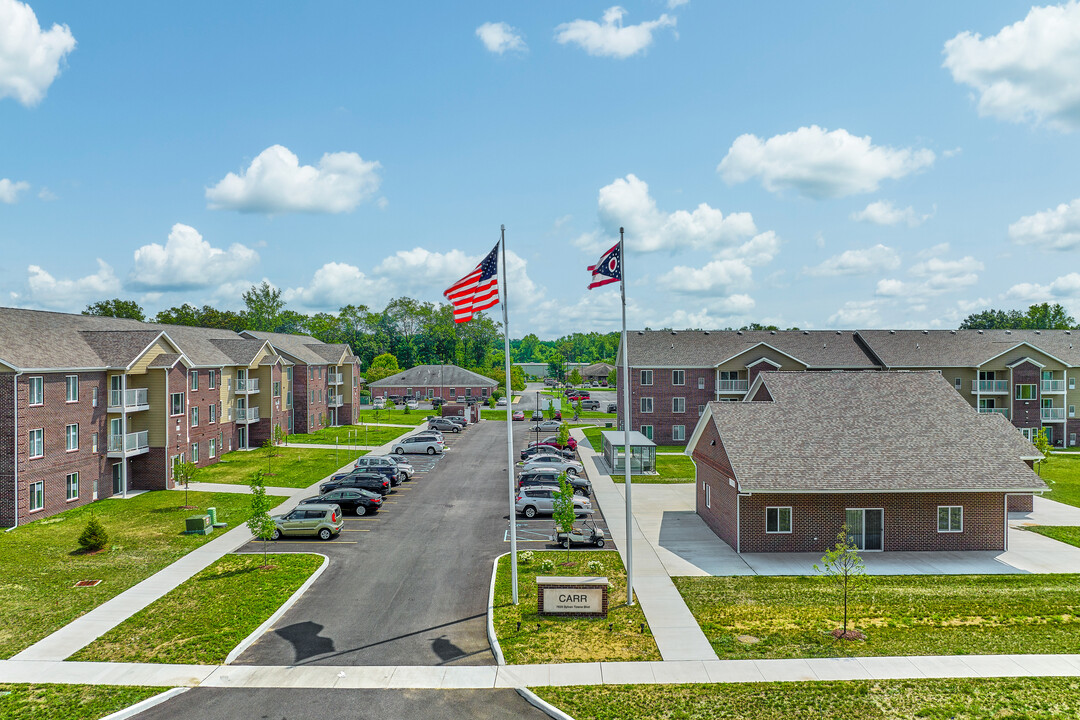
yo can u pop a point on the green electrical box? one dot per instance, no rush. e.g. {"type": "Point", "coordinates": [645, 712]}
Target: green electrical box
{"type": "Point", "coordinates": [212, 512]}
{"type": "Point", "coordinates": [199, 525]}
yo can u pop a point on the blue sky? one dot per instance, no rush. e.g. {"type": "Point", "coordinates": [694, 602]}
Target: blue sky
{"type": "Point", "coordinates": [811, 164]}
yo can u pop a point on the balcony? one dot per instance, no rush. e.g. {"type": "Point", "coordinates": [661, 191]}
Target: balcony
{"type": "Point", "coordinates": [990, 387]}
{"type": "Point", "coordinates": [121, 446]}
{"type": "Point", "coordinates": [1053, 414]}
{"type": "Point", "coordinates": [334, 378]}
{"type": "Point", "coordinates": [247, 385]}
{"type": "Point", "coordinates": [128, 400]}
{"type": "Point", "coordinates": [732, 386]}
{"type": "Point", "coordinates": [1053, 386]}
{"type": "Point", "coordinates": [335, 401]}
{"type": "Point", "coordinates": [247, 415]}
{"type": "Point", "coordinates": [999, 411]}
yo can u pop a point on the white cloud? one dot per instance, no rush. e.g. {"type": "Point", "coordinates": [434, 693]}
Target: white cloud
{"type": "Point", "coordinates": [716, 277]}
{"type": "Point", "coordinates": [857, 262]}
{"type": "Point", "coordinates": [9, 190]}
{"type": "Point", "coordinates": [336, 284]}
{"type": "Point", "coordinates": [275, 182]}
{"type": "Point", "coordinates": [856, 314]}
{"type": "Point", "coordinates": [1064, 287]}
{"type": "Point", "coordinates": [610, 38]}
{"type": "Point", "coordinates": [46, 194]}
{"type": "Point", "coordinates": [498, 37]}
{"type": "Point", "coordinates": [934, 276]}
{"type": "Point", "coordinates": [29, 58]}
{"type": "Point", "coordinates": [626, 203]}
{"type": "Point", "coordinates": [1028, 71]}
{"type": "Point", "coordinates": [46, 291]}
{"type": "Point", "coordinates": [186, 262]}
{"type": "Point", "coordinates": [817, 163]}
{"type": "Point", "coordinates": [672, 4]}
{"type": "Point", "coordinates": [883, 212]}
{"type": "Point", "coordinates": [1054, 229]}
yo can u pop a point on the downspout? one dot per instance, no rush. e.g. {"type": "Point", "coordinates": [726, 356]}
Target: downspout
{"type": "Point", "coordinates": [15, 446]}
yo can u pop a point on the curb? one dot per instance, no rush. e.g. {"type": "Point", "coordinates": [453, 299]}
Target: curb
{"type": "Point", "coordinates": [492, 640]}
{"type": "Point", "coordinates": [542, 705]}
{"type": "Point", "coordinates": [146, 704]}
{"type": "Point", "coordinates": [259, 631]}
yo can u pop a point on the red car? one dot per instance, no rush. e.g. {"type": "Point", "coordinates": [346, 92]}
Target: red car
{"type": "Point", "coordinates": [579, 395]}
{"type": "Point", "coordinates": [553, 441]}
{"type": "Point", "coordinates": [519, 414]}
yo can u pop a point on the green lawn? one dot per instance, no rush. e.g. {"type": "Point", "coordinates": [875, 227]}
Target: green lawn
{"type": "Point", "coordinates": [568, 639]}
{"type": "Point", "coordinates": [1062, 474]}
{"type": "Point", "coordinates": [791, 617]}
{"type": "Point", "coordinates": [1065, 533]}
{"type": "Point", "coordinates": [960, 699]}
{"type": "Point", "coordinates": [350, 434]}
{"type": "Point", "coordinates": [669, 468]}
{"type": "Point", "coordinates": [203, 619]}
{"type": "Point", "coordinates": [68, 702]}
{"type": "Point", "coordinates": [396, 416]}
{"type": "Point", "coordinates": [294, 467]}
{"type": "Point", "coordinates": [39, 570]}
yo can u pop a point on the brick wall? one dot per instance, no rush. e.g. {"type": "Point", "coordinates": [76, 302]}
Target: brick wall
{"type": "Point", "coordinates": [662, 391]}
{"type": "Point", "coordinates": [1021, 503]}
{"type": "Point", "coordinates": [714, 471]}
{"type": "Point", "coordinates": [7, 450]}
{"type": "Point", "coordinates": [475, 391]}
{"type": "Point", "coordinates": [203, 398]}
{"type": "Point", "coordinates": [1026, 413]}
{"type": "Point", "coordinates": [300, 398]}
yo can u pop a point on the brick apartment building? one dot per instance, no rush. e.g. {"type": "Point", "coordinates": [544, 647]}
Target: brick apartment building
{"type": "Point", "coordinates": [784, 472]}
{"type": "Point", "coordinates": [424, 382]}
{"type": "Point", "coordinates": [92, 407]}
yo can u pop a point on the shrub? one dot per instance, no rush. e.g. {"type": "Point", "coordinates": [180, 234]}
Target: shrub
{"type": "Point", "coordinates": [526, 557]}
{"type": "Point", "coordinates": [547, 564]}
{"type": "Point", "coordinates": [93, 536]}
{"type": "Point", "coordinates": [595, 566]}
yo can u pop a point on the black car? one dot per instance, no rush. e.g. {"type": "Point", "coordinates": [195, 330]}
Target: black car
{"type": "Point", "coordinates": [537, 415]}
{"type": "Point", "coordinates": [612, 407]}
{"type": "Point", "coordinates": [375, 482]}
{"type": "Point", "coordinates": [443, 425]}
{"type": "Point", "coordinates": [550, 476]}
{"type": "Point", "coordinates": [357, 500]}
{"type": "Point", "coordinates": [546, 450]}
{"type": "Point", "coordinates": [383, 466]}
{"type": "Point", "coordinates": [436, 403]}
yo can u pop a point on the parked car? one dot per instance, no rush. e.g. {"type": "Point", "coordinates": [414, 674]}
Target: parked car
{"type": "Point", "coordinates": [457, 420]}
{"type": "Point", "coordinates": [436, 403]}
{"type": "Point", "coordinates": [434, 434]}
{"type": "Point", "coordinates": [550, 382]}
{"type": "Point", "coordinates": [557, 415]}
{"type": "Point", "coordinates": [519, 414]}
{"type": "Point", "coordinates": [578, 395]}
{"type": "Point", "coordinates": [546, 426]}
{"type": "Point", "coordinates": [534, 501]}
{"type": "Point", "coordinates": [413, 404]}
{"type": "Point", "coordinates": [322, 520]}
{"type": "Point", "coordinates": [612, 407]}
{"type": "Point", "coordinates": [550, 476]}
{"type": "Point", "coordinates": [417, 444]}
{"type": "Point", "coordinates": [382, 465]}
{"type": "Point", "coordinates": [546, 450]}
{"type": "Point", "coordinates": [537, 415]}
{"type": "Point", "coordinates": [594, 384]}
{"type": "Point", "coordinates": [403, 465]}
{"type": "Point", "coordinates": [590, 404]}
{"type": "Point", "coordinates": [364, 480]}
{"type": "Point", "coordinates": [359, 501]}
{"type": "Point", "coordinates": [501, 402]}
{"type": "Point", "coordinates": [380, 402]}
{"type": "Point", "coordinates": [570, 467]}
{"type": "Point", "coordinates": [553, 440]}
{"type": "Point", "coordinates": [443, 425]}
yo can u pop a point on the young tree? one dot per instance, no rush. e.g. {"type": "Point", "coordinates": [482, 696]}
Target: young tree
{"type": "Point", "coordinates": [259, 522]}
{"type": "Point", "coordinates": [564, 434]}
{"type": "Point", "coordinates": [612, 378]}
{"type": "Point", "coordinates": [116, 308]}
{"type": "Point", "coordinates": [184, 473]}
{"type": "Point", "coordinates": [1042, 444]}
{"type": "Point", "coordinates": [280, 436]}
{"type": "Point", "coordinates": [844, 566]}
{"type": "Point", "coordinates": [563, 509]}
{"type": "Point", "coordinates": [93, 536]}
{"type": "Point", "coordinates": [268, 446]}
{"type": "Point", "coordinates": [575, 377]}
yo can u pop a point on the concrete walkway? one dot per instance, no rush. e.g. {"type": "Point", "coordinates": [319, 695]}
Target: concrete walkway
{"type": "Point", "coordinates": [197, 486]}
{"type": "Point", "coordinates": [678, 635]}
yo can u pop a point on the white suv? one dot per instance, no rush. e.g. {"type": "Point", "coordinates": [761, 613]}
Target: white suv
{"type": "Point", "coordinates": [533, 501]}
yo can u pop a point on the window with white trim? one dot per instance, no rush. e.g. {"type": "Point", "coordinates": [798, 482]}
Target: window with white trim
{"type": "Point", "coordinates": [72, 486]}
{"type": "Point", "coordinates": [276, 388]}
{"type": "Point", "coordinates": [194, 452]}
{"type": "Point", "coordinates": [701, 383]}
{"type": "Point", "coordinates": [678, 432]}
{"type": "Point", "coordinates": [678, 377]}
{"type": "Point", "coordinates": [71, 437]}
{"type": "Point", "coordinates": [176, 404]}
{"type": "Point", "coordinates": [957, 383]}
{"type": "Point", "coordinates": [36, 443]}
{"type": "Point", "coordinates": [213, 448]}
{"type": "Point", "coordinates": [93, 442]}
{"type": "Point", "coordinates": [1072, 383]}
{"type": "Point", "coordinates": [1026, 392]}
{"type": "Point", "coordinates": [212, 416]}
{"type": "Point", "coordinates": [37, 390]}
{"type": "Point", "coordinates": [1072, 411]}
{"type": "Point", "coordinates": [93, 397]}
{"type": "Point", "coordinates": [468, 392]}
{"type": "Point", "coordinates": [708, 496]}
{"type": "Point", "coordinates": [646, 404]}
{"type": "Point", "coordinates": [194, 379]}
{"type": "Point", "coordinates": [71, 383]}
{"type": "Point", "coordinates": [37, 495]}
{"type": "Point", "coordinates": [950, 518]}
{"type": "Point", "coordinates": [211, 379]}
{"type": "Point", "coordinates": [646, 377]}
{"type": "Point", "coordinates": [700, 410]}
{"type": "Point", "coordinates": [194, 416]}
{"type": "Point", "coordinates": [646, 430]}
{"type": "Point", "coordinates": [1072, 439]}
{"type": "Point", "coordinates": [678, 405]}
{"type": "Point", "coordinates": [777, 520]}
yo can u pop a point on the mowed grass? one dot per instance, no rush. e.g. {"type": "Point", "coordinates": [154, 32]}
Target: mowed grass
{"type": "Point", "coordinates": [204, 618]}
{"type": "Point", "coordinates": [1064, 533]}
{"type": "Point", "coordinates": [293, 467]}
{"type": "Point", "coordinates": [791, 617]}
{"type": "Point", "coordinates": [68, 702]}
{"type": "Point", "coordinates": [39, 566]}
{"type": "Point", "coordinates": [669, 468]}
{"type": "Point", "coordinates": [959, 699]}
{"type": "Point", "coordinates": [1062, 475]}
{"type": "Point", "coordinates": [397, 416]}
{"type": "Point", "coordinates": [349, 434]}
{"type": "Point", "coordinates": [558, 639]}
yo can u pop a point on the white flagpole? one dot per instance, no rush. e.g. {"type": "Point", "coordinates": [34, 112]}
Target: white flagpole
{"type": "Point", "coordinates": [510, 423]}
{"type": "Point", "coordinates": [627, 453]}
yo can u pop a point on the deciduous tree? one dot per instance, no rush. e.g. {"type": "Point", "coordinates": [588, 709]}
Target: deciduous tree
{"type": "Point", "coordinates": [844, 566]}
{"type": "Point", "coordinates": [116, 308]}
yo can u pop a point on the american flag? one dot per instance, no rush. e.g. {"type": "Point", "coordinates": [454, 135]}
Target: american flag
{"type": "Point", "coordinates": [608, 268]}
{"type": "Point", "coordinates": [477, 291]}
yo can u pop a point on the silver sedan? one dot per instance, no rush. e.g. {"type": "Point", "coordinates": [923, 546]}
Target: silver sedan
{"type": "Point", "coordinates": [417, 445]}
{"type": "Point", "coordinates": [570, 467]}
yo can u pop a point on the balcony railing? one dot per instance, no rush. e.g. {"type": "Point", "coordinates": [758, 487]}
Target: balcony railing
{"type": "Point", "coordinates": [247, 415]}
{"type": "Point", "coordinates": [990, 386]}
{"type": "Point", "coordinates": [134, 399]}
{"type": "Point", "coordinates": [1000, 411]}
{"type": "Point", "coordinates": [1053, 386]}
{"type": "Point", "coordinates": [335, 401]}
{"type": "Point", "coordinates": [1053, 414]}
{"type": "Point", "coordinates": [732, 385]}
{"type": "Point", "coordinates": [130, 444]}
{"type": "Point", "coordinates": [334, 378]}
{"type": "Point", "coordinates": [247, 385]}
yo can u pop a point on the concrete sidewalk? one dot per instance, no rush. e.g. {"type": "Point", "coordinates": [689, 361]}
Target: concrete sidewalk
{"type": "Point", "coordinates": [677, 633]}
{"type": "Point", "coordinates": [197, 486]}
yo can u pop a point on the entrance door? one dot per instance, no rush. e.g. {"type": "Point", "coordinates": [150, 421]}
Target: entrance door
{"type": "Point", "coordinates": [866, 528]}
{"type": "Point", "coordinates": [118, 478]}
{"type": "Point", "coordinates": [241, 437]}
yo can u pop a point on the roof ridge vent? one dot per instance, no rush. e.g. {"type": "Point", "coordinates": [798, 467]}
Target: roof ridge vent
{"type": "Point", "coordinates": [892, 332]}
{"type": "Point", "coordinates": [1038, 332]}
{"type": "Point", "coordinates": [925, 332]}
{"type": "Point", "coordinates": [952, 332]}
{"type": "Point", "coordinates": [839, 332]}
{"type": "Point", "coordinates": [772, 332]}
{"type": "Point", "coordinates": [980, 332]}
{"type": "Point", "coordinates": [674, 333]}
{"type": "Point", "coordinates": [738, 332]}
{"type": "Point", "coordinates": [805, 332]}
{"type": "Point", "coordinates": [1068, 332]}
{"type": "Point", "coordinates": [705, 331]}
{"type": "Point", "coordinates": [1008, 332]}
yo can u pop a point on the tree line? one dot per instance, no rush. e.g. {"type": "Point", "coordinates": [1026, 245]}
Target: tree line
{"type": "Point", "coordinates": [1042, 316]}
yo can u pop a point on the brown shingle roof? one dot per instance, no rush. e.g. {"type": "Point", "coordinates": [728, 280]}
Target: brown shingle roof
{"type": "Point", "coordinates": [708, 348]}
{"type": "Point", "coordinates": [435, 376]}
{"type": "Point", "coordinates": [855, 432]}
{"type": "Point", "coordinates": [966, 348]}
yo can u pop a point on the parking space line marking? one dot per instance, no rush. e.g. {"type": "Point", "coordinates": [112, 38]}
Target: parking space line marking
{"type": "Point", "coordinates": [347, 530]}
{"type": "Point", "coordinates": [316, 542]}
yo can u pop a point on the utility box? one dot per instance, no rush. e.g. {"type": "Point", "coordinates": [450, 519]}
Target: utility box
{"type": "Point", "coordinates": [198, 525]}
{"type": "Point", "coordinates": [212, 512]}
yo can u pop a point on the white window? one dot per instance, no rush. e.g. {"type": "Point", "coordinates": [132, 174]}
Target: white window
{"type": "Point", "coordinates": [211, 379]}
{"type": "Point", "coordinates": [73, 486]}
{"type": "Point", "coordinates": [678, 405]}
{"type": "Point", "coordinates": [93, 397]}
{"type": "Point", "coordinates": [194, 452]}
{"type": "Point", "coordinates": [1025, 392]}
{"type": "Point", "coordinates": [1072, 411]}
{"type": "Point", "coordinates": [176, 404]}
{"type": "Point", "coordinates": [453, 393]}
{"type": "Point", "coordinates": [646, 430]}
{"type": "Point", "coordinates": [484, 392]}
{"type": "Point", "coordinates": [678, 432]}
{"type": "Point", "coordinates": [708, 496]}
{"type": "Point", "coordinates": [212, 418]}
{"type": "Point", "coordinates": [777, 520]}
{"type": "Point", "coordinates": [71, 435]}
{"type": "Point", "coordinates": [194, 379]}
{"type": "Point", "coordinates": [646, 377]}
{"type": "Point", "coordinates": [950, 519]}
{"type": "Point", "coordinates": [1072, 439]}
{"type": "Point", "coordinates": [1072, 383]}
{"type": "Point", "coordinates": [701, 383]}
{"type": "Point", "coordinates": [213, 447]}
{"type": "Point", "coordinates": [37, 495]}
{"type": "Point", "coordinates": [36, 447]}
{"type": "Point", "coordinates": [276, 387]}
{"type": "Point", "coordinates": [700, 410]}
{"type": "Point", "coordinates": [194, 416]}
{"type": "Point", "coordinates": [957, 383]}
{"type": "Point", "coordinates": [646, 404]}
{"type": "Point", "coordinates": [468, 392]}
{"type": "Point", "coordinates": [72, 383]}
{"type": "Point", "coordinates": [678, 377]}
{"type": "Point", "coordinates": [37, 391]}
{"type": "Point", "coordinates": [93, 442]}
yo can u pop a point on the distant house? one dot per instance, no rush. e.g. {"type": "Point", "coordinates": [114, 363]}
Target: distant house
{"type": "Point", "coordinates": [597, 372]}
{"type": "Point", "coordinates": [447, 382]}
{"type": "Point", "coordinates": [899, 457]}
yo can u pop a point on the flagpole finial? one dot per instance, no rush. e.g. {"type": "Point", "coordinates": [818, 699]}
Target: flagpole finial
{"type": "Point", "coordinates": [502, 227]}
